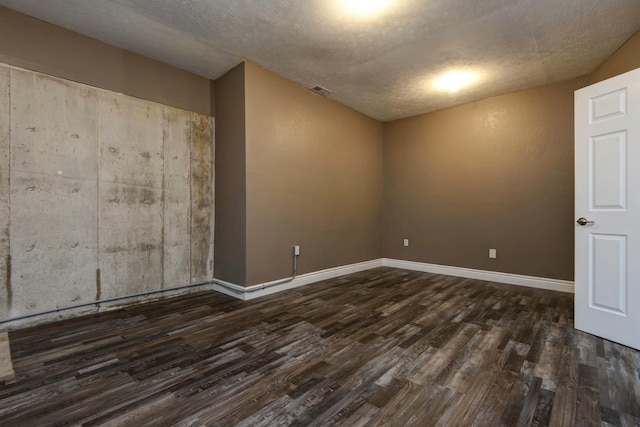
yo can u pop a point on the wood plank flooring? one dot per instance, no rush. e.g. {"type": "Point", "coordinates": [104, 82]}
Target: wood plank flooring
{"type": "Point", "coordinates": [381, 347]}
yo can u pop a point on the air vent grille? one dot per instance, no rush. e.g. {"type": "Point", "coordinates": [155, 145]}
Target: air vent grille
{"type": "Point", "coordinates": [320, 90]}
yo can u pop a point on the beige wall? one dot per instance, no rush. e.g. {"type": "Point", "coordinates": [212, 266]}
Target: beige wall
{"type": "Point", "coordinates": [496, 173]}
{"type": "Point", "coordinates": [36, 45]}
{"type": "Point", "coordinates": [626, 58]}
{"type": "Point", "coordinates": [314, 178]}
{"type": "Point", "coordinates": [230, 182]}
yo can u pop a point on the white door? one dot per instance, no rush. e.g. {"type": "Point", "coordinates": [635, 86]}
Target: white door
{"type": "Point", "coordinates": [607, 172]}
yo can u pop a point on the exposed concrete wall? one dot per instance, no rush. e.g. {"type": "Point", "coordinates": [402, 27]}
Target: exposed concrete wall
{"type": "Point", "coordinates": [102, 195]}
{"type": "Point", "coordinates": [201, 190]}
{"type": "Point", "coordinates": [130, 195]}
{"type": "Point", "coordinates": [53, 189]}
{"type": "Point", "coordinates": [177, 201]}
{"type": "Point", "coordinates": [5, 290]}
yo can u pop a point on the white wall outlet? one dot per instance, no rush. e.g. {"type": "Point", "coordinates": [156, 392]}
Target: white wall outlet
{"type": "Point", "coordinates": [406, 242]}
{"type": "Point", "coordinates": [493, 253]}
{"type": "Point", "coordinates": [296, 250]}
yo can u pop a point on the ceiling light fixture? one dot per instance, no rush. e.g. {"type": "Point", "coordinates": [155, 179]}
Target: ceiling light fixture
{"type": "Point", "coordinates": [453, 81]}
{"type": "Point", "coordinates": [365, 8]}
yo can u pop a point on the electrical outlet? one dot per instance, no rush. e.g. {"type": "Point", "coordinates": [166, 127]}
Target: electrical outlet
{"type": "Point", "coordinates": [493, 253]}
{"type": "Point", "coordinates": [296, 250]}
{"type": "Point", "coordinates": [406, 242]}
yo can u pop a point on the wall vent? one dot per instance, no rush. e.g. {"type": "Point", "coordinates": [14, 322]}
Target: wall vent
{"type": "Point", "coordinates": [320, 90]}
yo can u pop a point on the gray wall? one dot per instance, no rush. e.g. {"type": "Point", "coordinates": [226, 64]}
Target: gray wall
{"type": "Point", "coordinates": [101, 194]}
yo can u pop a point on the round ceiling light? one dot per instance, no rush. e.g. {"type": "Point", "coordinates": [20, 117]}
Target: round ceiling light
{"type": "Point", "coordinates": [365, 8]}
{"type": "Point", "coordinates": [453, 81]}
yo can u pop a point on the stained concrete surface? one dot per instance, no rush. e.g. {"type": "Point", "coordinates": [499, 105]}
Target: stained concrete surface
{"type": "Point", "coordinates": [130, 239]}
{"type": "Point", "coordinates": [53, 242]}
{"type": "Point", "coordinates": [53, 193]}
{"type": "Point", "coordinates": [109, 195]}
{"type": "Point", "coordinates": [177, 202]}
{"type": "Point", "coordinates": [53, 126]}
{"type": "Point", "coordinates": [4, 189]}
{"type": "Point", "coordinates": [130, 141]}
{"type": "Point", "coordinates": [130, 214]}
{"type": "Point", "coordinates": [201, 198]}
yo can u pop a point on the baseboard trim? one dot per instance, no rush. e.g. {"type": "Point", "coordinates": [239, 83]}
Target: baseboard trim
{"type": "Point", "coordinates": [330, 273]}
{"type": "Point", "coordinates": [301, 280]}
{"type": "Point", "coordinates": [490, 276]}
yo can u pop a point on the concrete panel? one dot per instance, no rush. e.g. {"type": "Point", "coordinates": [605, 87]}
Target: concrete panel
{"type": "Point", "coordinates": [5, 285]}
{"type": "Point", "coordinates": [130, 195]}
{"type": "Point", "coordinates": [177, 198]}
{"type": "Point", "coordinates": [53, 193]}
{"type": "Point", "coordinates": [54, 126]}
{"type": "Point", "coordinates": [99, 187]}
{"type": "Point", "coordinates": [53, 242]}
{"type": "Point", "coordinates": [130, 239]}
{"type": "Point", "coordinates": [202, 205]}
{"type": "Point", "coordinates": [130, 132]}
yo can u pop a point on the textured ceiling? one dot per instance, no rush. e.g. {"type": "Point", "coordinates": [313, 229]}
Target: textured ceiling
{"type": "Point", "coordinates": [382, 65]}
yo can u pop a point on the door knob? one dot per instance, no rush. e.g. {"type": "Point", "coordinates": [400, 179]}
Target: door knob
{"type": "Point", "coordinates": [583, 221]}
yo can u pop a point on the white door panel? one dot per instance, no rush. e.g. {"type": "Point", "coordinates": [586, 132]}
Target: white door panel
{"type": "Point", "coordinates": [607, 172]}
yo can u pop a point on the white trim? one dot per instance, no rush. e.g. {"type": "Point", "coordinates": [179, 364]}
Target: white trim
{"type": "Point", "coordinates": [491, 276]}
{"type": "Point", "coordinates": [267, 288]}
{"type": "Point", "coordinates": [301, 280]}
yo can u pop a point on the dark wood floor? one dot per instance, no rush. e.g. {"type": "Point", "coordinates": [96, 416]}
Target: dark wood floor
{"type": "Point", "coordinates": [382, 347]}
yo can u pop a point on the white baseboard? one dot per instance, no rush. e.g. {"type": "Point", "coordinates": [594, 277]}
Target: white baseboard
{"type": "Point", "coordinates": [301, 280]}
{"type": "Point", "coordinates": [317, 276]}
{"type": "Point", "coordinates": [490, 276]}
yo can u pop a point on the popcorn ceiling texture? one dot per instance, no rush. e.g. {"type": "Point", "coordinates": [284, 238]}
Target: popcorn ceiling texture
{"type": "Point", "coordinates": [379, 66]}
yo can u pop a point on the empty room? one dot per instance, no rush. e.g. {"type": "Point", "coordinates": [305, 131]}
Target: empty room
{"type": "Point", "coordinates": [317, 213]}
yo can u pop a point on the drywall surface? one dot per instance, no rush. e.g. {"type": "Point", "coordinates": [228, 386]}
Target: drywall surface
{"type": "Point", "coordinates": [496, 173]}
{"type": "Point", "coordinates": [626, 58]}
{"type": "Point", "coordinates": [105, 195]}
{"type": "Point", "coordinates": [39, 46]}
{"type": "Point", "coordinates": [230, 182]}
{"type": "Point", "coordinates": [314, 179]}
